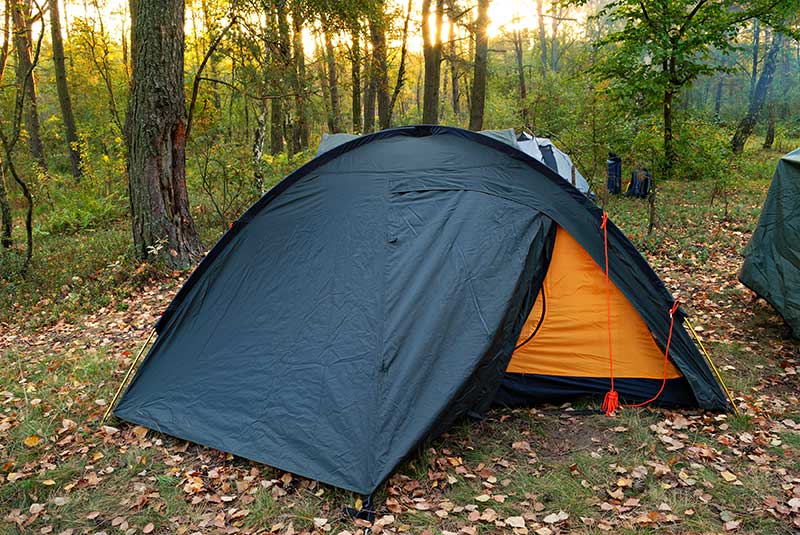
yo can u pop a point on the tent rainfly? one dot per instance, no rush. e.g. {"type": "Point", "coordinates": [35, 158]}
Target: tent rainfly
{"type": "Point", "coordinates": [540, 148]}
{"type": "Point", "coordinates": [394, 284]}
{"type": "Point", "coordinates": [772, 257]}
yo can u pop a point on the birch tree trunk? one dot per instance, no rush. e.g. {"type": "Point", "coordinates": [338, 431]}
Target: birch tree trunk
{"type": "Point", "coordinates": [748, 122]}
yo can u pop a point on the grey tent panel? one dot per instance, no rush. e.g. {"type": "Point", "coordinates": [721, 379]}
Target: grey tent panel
{"type": "Point", "coordinates": [330, 141]}
{"type": "Point", "coordinates": [772, 257]}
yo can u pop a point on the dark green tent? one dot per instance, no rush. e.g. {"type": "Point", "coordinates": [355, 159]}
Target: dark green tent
{"type": "Point", "coordinates": [772, 257]}
{"type": "Point", "coordinates": [378, 293]}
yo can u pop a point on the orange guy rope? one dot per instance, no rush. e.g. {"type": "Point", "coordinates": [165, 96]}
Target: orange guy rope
{"type": "Point", "coordinates": [611, 401]}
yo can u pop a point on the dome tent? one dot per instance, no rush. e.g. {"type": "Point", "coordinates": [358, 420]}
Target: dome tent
{"type": "Point", "coordinates": [772, 257]}
{"type": "Point", "coordinates": [378, 293]}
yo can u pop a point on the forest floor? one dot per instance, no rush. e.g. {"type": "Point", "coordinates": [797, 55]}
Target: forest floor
{"type": "Point", "coordinates": [544, 470]}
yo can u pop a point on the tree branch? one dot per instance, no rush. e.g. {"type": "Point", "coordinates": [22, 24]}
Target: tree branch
{"type": "Point", "coordinates": [197, 77]}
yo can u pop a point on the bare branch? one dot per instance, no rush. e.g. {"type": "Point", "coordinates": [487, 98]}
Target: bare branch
{"type": "Point", "coordinates": [197, 77]}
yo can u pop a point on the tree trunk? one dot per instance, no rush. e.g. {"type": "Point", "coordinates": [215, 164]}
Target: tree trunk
{"type": "Point", "coordinates": [276, 127]}
{"type": "Point", "coordinates": [523, 88]}
{"type": "Point", "coordinates": [454, 89]}
{"type": "Point", "coordinates": [5, 207]}
{"type": "Point", "coordinates": [748, 122]}
{"type": "Point", "coordinates": [481, 67]}
{"type": "Point", "coordinates": [70, 131]}
{"type": "Point", "coordinates": [322, 74]}
{"type": "Point", "coordinates": [162, 224]}
{"type": "Point", "coordinates": [5, 211]}
{"type": "Point", "coordinates": [432, 52]}
{"type": "Point", "coordinates": [754, 65]}
{"type": "Point", "coordinates": [20, 15]}
{"type": "Point", "coordinates": [718, 98]}
{"type": "Point", "coordinates": [299, 78]}
{"type": "Point", "coordinates": [669, 150]}
{"type": "Point", "coordinates": [355, 75]}
{"type": "Point", "coordinates": [769, 138]}
{"type": "Point", "coordinates": [542, 36]}
{"type": "Point", "coordinates": [259, 137]}
{"type": "Point", "coordinates": [287, 73]}
{"type": "Point", "coordinates": [369, 97]}
{"type": "Point", "coordinates": [377, 30]}
{"type": "Point", "coordinates": [554, 43]}
{"type": "Point", "coordinates": [401, 69]}
{"type": "Point", "coordinates": [334, 118]}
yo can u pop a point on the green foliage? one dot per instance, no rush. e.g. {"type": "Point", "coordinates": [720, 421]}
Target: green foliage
{"type": "Point", "coordinates": [702, 149]}
{"type": "Point", "coordinates": [73, 209]}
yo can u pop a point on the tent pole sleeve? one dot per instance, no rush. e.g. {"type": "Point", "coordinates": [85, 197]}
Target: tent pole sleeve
{"type": "Point", "coordinates": [713, 366]}
{"type": "Point", "coordinates": [125, 379]}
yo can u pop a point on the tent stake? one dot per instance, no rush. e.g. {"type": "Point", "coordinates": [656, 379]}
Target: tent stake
{"type": "Point", "coordinates": [125, 379]}
{"type": "Point", "coordinates": [713, 366]}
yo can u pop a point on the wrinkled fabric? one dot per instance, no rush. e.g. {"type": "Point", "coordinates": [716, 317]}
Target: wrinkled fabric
{"type": "Point", "coordinates": [369, 300]}
{"type": "Point", "coordinates": [772, 257]}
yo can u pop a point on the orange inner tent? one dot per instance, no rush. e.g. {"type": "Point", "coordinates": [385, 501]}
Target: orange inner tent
{"type": "Point", "coordinates": [572, 340]}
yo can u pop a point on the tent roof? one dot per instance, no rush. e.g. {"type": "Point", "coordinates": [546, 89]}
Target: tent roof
{"type": "Point", "coordinates": [555, 158]}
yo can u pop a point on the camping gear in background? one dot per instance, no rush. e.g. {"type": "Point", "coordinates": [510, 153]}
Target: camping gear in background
{"type": "Point", "coordinates": [772, 257]}
{"type": "Point", "coordinates": [640, 184]}
{"type": "Point", "coordinates": [391, 286]}
{"type": "Point", "coordinates": [614, 174]}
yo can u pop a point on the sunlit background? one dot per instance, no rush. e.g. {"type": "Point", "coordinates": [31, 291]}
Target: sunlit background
{"type": "Point", "coordinates": [504, 16]}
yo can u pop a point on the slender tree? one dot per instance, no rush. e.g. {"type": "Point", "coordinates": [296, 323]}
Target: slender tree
{"type": "Point", "coordinates": [453, 59]}
{"type": "Point", "coordinates": [380, 67]}
{"type": "Point", "coordinates": [542, 36]}
{"type": "Point", "coordinates": [754, 62]}
{"type": "Point", "coordinates": [355, 77]}
{"type": "Point", "coordinates": [334, 116]}
{"type": "Point", "coordinates": [480, 74]}
{"type": "Point", "coordinates": [432, 52]}
{"type": "Point", "coordinates": [8, 140]}
{"type": "Point", "coordinates": [301, 124]}
{"type": "Point", "coordinates": [5, 206]}
{"type": "Point", "coordinates": [64, 100]}
{"type": "Point", "coordinates": [523, 88]}
{"type": "Point", "coordinates": [401, 69]}
{"type": "Point", "coordinates": [745, 127]}
{"type": "Point", "coordinates": [21, 20]}
{"type": "Point", "coordinates": [155, 131]}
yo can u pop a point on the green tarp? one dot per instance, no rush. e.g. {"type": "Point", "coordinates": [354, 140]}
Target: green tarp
{"type": "Point", "coordinates": [772, 258]}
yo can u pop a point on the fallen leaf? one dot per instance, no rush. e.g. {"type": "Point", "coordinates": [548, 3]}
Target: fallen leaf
{"type": "Point", "coordinates": [515, 521]}
{"type": "Point", "coordinates": [555, 518]}
{"type": "Point", "coordinates": [732, 525]}
{"type": "Point", "coordinates": [32, 441]}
